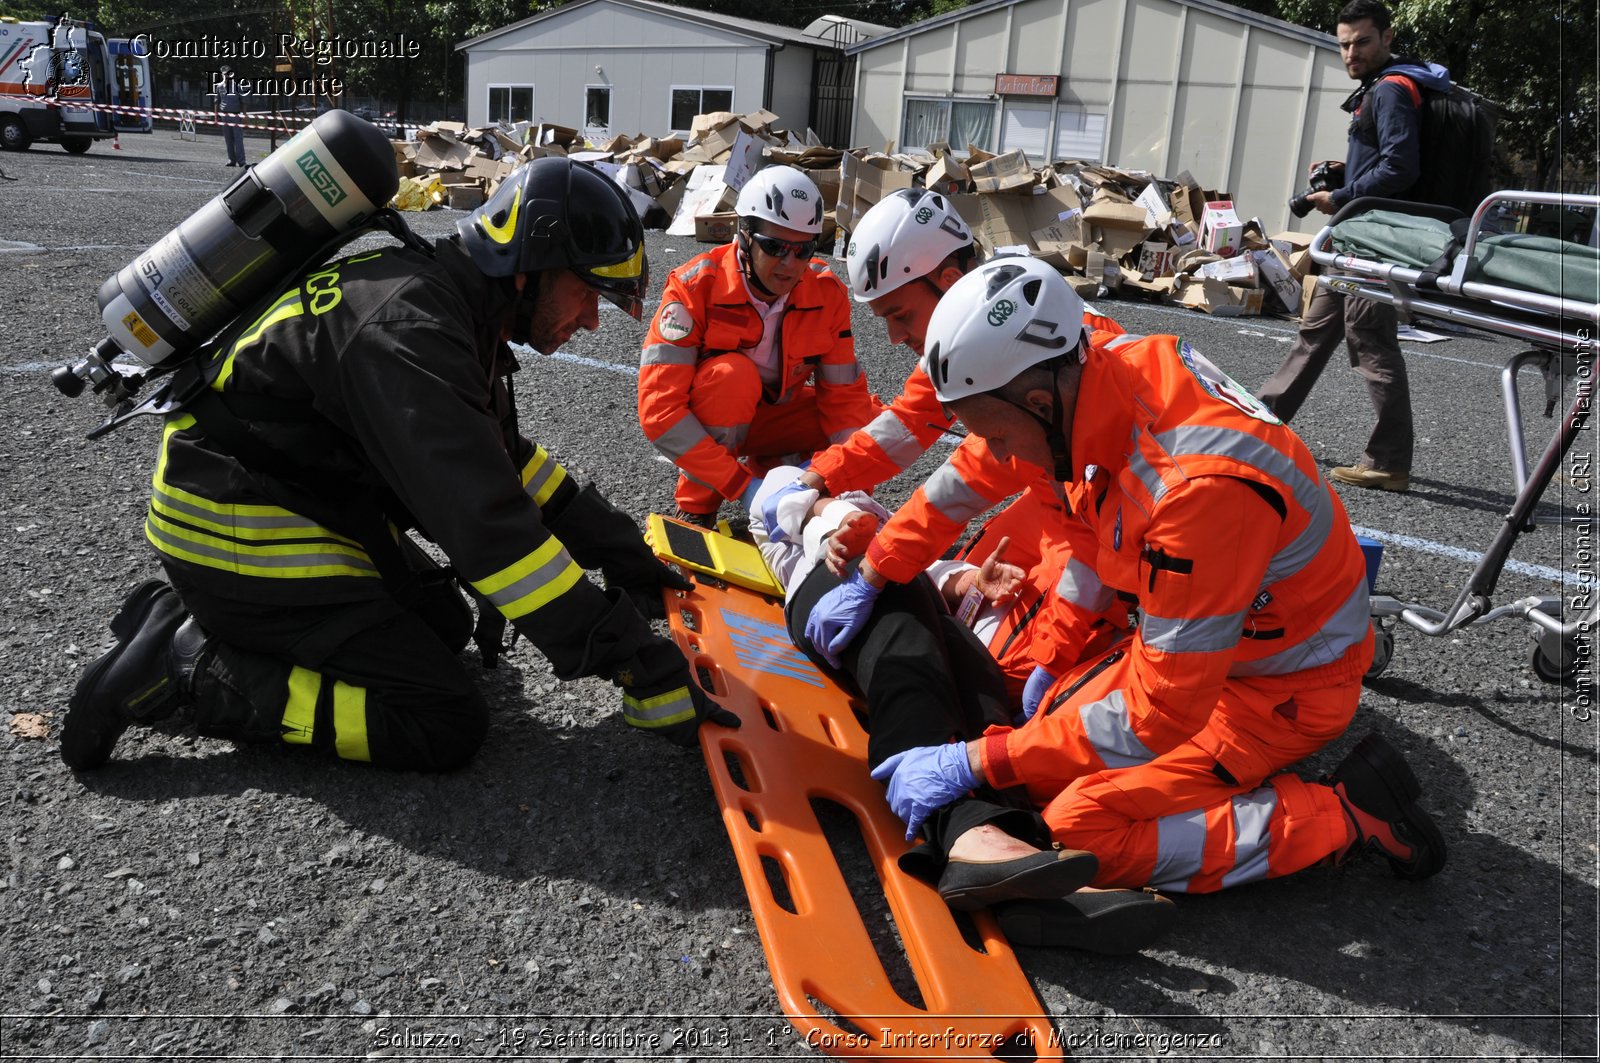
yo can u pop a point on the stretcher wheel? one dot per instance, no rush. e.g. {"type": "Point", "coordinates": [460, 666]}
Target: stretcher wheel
{"type": "Point", "coordinates": [1382, 649]}
{"type": "Point", "coordinates": [1561, 672]}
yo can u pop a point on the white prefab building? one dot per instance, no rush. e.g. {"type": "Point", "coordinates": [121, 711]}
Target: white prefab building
{"type": "Point", "coordinates": [638, 66]}
{"type": "Point", "coordinates": [1243, 102]}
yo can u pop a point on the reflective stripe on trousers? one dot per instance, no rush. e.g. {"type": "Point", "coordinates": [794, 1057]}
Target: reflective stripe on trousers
{"type": "Point", "coordinates": [1182, 850]}
{"type": "Point", "coordinates": [348, 715]}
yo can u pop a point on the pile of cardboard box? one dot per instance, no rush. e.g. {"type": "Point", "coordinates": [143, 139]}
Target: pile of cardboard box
{"type": "Point", "coordinates": [1111, 232]}
{"type": "Point", "coordinates": [450, 165]}
{"type": "Point", "coordinates": [685, 185]}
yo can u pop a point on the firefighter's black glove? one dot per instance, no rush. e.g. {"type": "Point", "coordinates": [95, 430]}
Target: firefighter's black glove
{"type": "Point", "coordinates": [660, 697]}
{"type": "Point", "coordinates": [644, 579]}
{"type": "Point", "coordinates": [599, 535]}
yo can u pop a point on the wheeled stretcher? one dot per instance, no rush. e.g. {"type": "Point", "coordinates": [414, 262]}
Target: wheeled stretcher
{"type": "Point", "coordinates": [1429, 264]}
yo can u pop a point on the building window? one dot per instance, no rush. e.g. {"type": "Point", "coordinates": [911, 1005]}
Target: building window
{"type": "Point", "coordinates": [1026, 126]}
{"type": "Point", "coordinates": [510, 103]}
{"type": "Point", "coordinates": [597, 107]}
{"type": "Point", "coordinates": [954, 122]}
{"type": "Point", "coordinates": [1080, 134]}
{"type": "Point", "coordinates": [690, 100]}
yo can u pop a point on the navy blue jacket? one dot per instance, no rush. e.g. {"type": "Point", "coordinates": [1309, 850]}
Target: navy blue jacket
{"type": "Point", "coordinates": [1385, 132]}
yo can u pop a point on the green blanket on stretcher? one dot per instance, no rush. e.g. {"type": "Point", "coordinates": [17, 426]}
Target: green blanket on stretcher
{"type": "Point", "coordinates": [1514, 260]}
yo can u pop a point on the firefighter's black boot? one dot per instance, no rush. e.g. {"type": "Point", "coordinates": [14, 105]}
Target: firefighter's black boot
{"type": "Point", "coordinates": [145, 677]}
{"type": "Point", "coordinates": [1379, 793]}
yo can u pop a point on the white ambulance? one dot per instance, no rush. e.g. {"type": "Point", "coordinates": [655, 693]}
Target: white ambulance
{"type": "Point", "coordinates": [55, 84]}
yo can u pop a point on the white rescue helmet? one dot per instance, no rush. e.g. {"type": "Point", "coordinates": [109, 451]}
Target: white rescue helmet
{"type": "Point", "coordinates": [783, 196]}
{"type": "Point", "coordinates": [903, 237]}
{"type": "Point", "coordinates": [1005, 316]}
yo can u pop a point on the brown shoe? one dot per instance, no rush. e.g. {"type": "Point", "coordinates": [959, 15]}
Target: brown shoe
{"type": "Point", "coordinates": [1364, 476]}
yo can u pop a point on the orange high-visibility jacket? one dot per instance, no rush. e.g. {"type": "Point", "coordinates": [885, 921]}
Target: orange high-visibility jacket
{"type": "Point", "coordinates": [969, 483]}
{"type": "Point", "coordinates": [889, 443]}
{"type": "Point", "coordinates": [816, 344]}
{"type": "Point", "coordinates": [901, 434]}
{"type": "Point", "coordinates": [1172, 441]}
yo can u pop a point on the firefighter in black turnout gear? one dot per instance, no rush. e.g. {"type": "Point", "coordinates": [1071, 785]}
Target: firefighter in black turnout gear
{"type": "Point", "coordinates": [372, 397]}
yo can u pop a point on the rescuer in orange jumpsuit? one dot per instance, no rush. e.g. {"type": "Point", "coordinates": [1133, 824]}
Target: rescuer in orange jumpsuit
{"type": "Point", "coordinates": [905, 252]}
{"type": "Point", "coordinates": [750, 354]}
{"type": "Point", "coordinates": [1194, 502]}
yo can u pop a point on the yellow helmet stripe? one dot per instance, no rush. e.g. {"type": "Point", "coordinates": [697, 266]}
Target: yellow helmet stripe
{"type": "Point", "coordinates": [502, 234]}
{"type": "Point", "coordinates": [629, 268]}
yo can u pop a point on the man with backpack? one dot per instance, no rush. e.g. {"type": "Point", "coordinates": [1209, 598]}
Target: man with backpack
{"type": "Point", "coordinates": [1383, 160]}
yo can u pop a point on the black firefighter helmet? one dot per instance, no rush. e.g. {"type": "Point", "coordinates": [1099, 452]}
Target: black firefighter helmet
{"type": "Point", "coordinates": [554, 213]}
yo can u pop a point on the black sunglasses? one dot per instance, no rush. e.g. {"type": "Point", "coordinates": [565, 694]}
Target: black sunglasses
{"type": "Point", "coordinates": [772, 247]}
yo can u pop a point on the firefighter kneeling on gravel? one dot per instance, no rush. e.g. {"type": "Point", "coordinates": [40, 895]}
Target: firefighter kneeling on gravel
{"type": "Point", "coordinates": [1162, 756]}
{"type": "Point", "coordinates": [375, 396]}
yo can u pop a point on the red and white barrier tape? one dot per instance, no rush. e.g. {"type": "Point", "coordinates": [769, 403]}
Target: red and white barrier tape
{"type": "Point", "coordinates": [279, 124]}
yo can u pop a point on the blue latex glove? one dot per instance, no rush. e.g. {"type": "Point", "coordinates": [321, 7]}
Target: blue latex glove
{"type": "Point", "coordinates": [838, 616]}
{"type": "Point", "coordinates": [776, 533]}
{"type": "Point", "coordinates": [1039, 683]}
{"type": "Point", "coordinates": [924, 780]}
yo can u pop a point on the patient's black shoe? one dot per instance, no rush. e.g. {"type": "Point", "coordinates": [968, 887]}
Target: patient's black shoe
{"type": "Point", "coordinates": [1110, 922]}
{"type": "Point", "coordinates": [969, 885]}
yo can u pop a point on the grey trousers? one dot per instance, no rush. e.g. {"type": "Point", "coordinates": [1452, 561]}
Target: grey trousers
{"type": "Point", "coordinates": [1368, 329]}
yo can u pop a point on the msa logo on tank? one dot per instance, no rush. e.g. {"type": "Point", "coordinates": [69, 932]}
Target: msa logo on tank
{"type": "Point", "coordinates": [765, 647]}
{"type": "Point", "coordinates": [321, 179]}
{"type": "Point", "coordinates": [1222, 386]}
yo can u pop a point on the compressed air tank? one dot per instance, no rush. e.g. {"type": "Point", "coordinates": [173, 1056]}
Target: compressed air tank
{"type": "Point", "coordinates": [251, 239]}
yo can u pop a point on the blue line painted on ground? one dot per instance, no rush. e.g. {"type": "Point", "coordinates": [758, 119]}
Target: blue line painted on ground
{"type": "Point", "coordinates": [1456, 553]}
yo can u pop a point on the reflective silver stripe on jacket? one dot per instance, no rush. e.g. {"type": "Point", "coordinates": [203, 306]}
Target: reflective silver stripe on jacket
{"type": "Point", "coordinates": [663, 710]}
{"type": "Point", "coordinates": [1193, 634]}
{"type": "Point", "coordinates": [729, 437]}
{"type": "Point", "coordinates": [307, 555]}
{"type": "Point", "coordinates": [839, 373]}
{"type": "Point", "coordinates": [539, 585]}
{"type": "Point", "coordinates": [681, 438]}
{"type": "Point", "coordinates": [668, 354]}
{"type": "Point", "coordinates": [235, 523]}
{"type": "Point", "coordinates": [1325, 645]}
{"type": "Point", "coordinates": [898, 443]}
{"type": "Point", "coordinates": [1207, 440]}
{"type": "Point", "coordinates": [543, 474]}
{"type": "Point", "coordinates": [694, 269]}
{"type": "Point", "coordinates": [1110, 732]}
{"type": "Point", "coordinates": [1080, 585]}
{"type": "Point", "coordinates": [1252, 831]}
{"type": "Point", "coordinates": [949, 494]}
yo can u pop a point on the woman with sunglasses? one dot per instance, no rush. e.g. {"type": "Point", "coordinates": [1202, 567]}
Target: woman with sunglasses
{"type": "Point", "coordinates": [749, 362]}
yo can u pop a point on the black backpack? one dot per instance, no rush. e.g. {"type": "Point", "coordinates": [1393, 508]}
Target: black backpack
{"type": "Point", "coordinates": [1457, 146]}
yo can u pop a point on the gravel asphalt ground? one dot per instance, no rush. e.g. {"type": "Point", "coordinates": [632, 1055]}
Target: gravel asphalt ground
{"type": "Point", "coordinates": [572, 894]}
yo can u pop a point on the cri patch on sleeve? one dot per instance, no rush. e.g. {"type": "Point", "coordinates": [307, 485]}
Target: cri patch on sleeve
{"type": "Point", "coordinates": [674, 322]}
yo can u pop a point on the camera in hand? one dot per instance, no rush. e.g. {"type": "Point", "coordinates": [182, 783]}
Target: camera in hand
{"type": "Point", "coordinates": [1325, 177]}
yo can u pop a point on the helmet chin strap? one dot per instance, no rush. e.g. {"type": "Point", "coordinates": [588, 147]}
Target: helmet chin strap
{"type": "Point", "coordinates": [747, 264]}
{"type": "Point", "coordinates": [1055, 432]}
